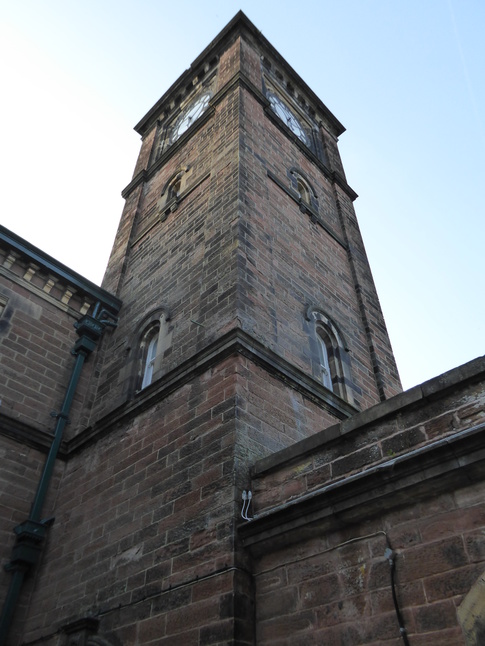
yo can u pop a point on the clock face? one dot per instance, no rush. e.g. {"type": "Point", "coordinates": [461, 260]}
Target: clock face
{"type": "Point", "coordinates": [190, 114]}
{"type": "Point", "coordinates": [287, 116]}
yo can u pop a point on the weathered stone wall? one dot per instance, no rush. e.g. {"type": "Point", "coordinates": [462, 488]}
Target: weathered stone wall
{"type": "Point", "coordinates": [185, 261]}
{"type": "Point", "coordinates": [141, 517]}
{"type": "Point", "coordinates": [293, 258]}
{"type": "Point", "coordinates": [404, 476]}
{"type": "Point", "coordinates": [36, 337]}
{"type": "Point", "coordinates": [145, 517]}
{"type": "Point", "coordinates": [337, 589]}
{"type": "Point", "coordinates": [21, 466]}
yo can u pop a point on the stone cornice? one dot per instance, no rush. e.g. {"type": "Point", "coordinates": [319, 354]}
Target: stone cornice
{"type": "Point", "coordinates": [340, 181]}
{"type": "Point", "coordinates": [51, 267]}
{"type": "Point", "coordinates": [139, 178]}
{"type": "Point", "coordinates": [239, 25]}
{"type": "Point", "coordinates": [40, 293]}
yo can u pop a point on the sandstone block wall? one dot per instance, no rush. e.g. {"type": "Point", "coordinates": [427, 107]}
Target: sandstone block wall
{"type": "Point", "coordinates": [404, 476]}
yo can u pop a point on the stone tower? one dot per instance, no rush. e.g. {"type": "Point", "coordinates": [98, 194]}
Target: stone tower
{"type": "Point", "coordinates": [239, 233]}
{"type": "Point", "coordinates": [249, 322]}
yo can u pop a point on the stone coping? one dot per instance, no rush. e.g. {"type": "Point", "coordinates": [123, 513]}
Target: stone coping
{"type": "Point", "coordinates": [432, 389]}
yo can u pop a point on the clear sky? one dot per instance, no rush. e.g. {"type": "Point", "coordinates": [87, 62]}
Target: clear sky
{"type": "Point", "coordinates": [405, 77]}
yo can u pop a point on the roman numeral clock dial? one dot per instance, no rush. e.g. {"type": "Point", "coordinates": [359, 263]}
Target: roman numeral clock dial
{"type": "Point", "coordinates": [189, 115]}
{"type": "Point", "coordinates": [287, 116]}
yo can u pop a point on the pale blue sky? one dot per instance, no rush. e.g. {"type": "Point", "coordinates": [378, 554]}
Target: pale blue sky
{"type": "Point", "coordinates": [405, 77]}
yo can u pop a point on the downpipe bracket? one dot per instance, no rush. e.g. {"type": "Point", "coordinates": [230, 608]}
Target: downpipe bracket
{"type": "Point", "coordinates": [30, 536]}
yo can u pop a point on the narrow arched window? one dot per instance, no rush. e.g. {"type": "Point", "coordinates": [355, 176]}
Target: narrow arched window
{"type": "Point", "coordinates": [174, 189]}
{"type": "Point", "coordinates": [325, 346]}
{"type": "Point", "coordinates": [303, 190]}
{"type": "Point", "coordinates": [173, 193]}
{"type": "Point", "coordinates": [149, 362]}
{"type": "Point", "coordinates": [147, 351]}
{"type": "Point", "coordinates": [330, 356]}
{"type": "Point", "coordinates": [305, 194]}
{"type": "Point", "coordinates": [152, 341]}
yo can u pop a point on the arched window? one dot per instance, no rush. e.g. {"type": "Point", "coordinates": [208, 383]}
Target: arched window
{"type": "Point", "coordinates": [149, 360]}
{"type": "Point", "coordinates": [173, 192]}
{"type": "Point", "coordinates": [330, 356]}
{"type": "Point", "coordinates": [303, 190]}
{"type": "Point", "coordinates": [148, 351]}
{"type": "Point", "coordinates": [174, 188]}
{"type": "Point", "coordinates": [151, 343]}
{"type": "Point", "coordinates": [325, 346]}
{"type": "Point", "coordinates": [305, 194]}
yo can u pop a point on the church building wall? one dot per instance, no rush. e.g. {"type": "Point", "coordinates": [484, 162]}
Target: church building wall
{"type": "Point", "coordinates": [37, 332]}
{"type": "Point", "coordinates": [148, 545]}
{"type": "Point", "coordinates": [41, 300]}
{"type": "Point", "coordinates": [401, 481]}
{"type": "Point", "coordinates": [241, 467]}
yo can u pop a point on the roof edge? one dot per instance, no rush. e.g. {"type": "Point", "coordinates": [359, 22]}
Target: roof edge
{"type": "Point", "coordinates": [72, 277]}
{"type": "Point", "coordinates": [242, 22]}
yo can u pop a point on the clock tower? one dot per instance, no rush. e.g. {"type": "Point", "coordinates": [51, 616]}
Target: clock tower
{"type": "Point", "coordinates": [250, 321]}
{"type": "Point", "coordinates": [239, 221]}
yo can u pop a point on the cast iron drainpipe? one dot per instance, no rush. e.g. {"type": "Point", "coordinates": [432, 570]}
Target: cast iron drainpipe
{"type": "Point", "coordinates": [31, 533]}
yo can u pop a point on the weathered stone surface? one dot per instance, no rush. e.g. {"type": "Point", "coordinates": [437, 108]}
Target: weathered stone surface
{"type": "Point", "coordinates": [148, 536]}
